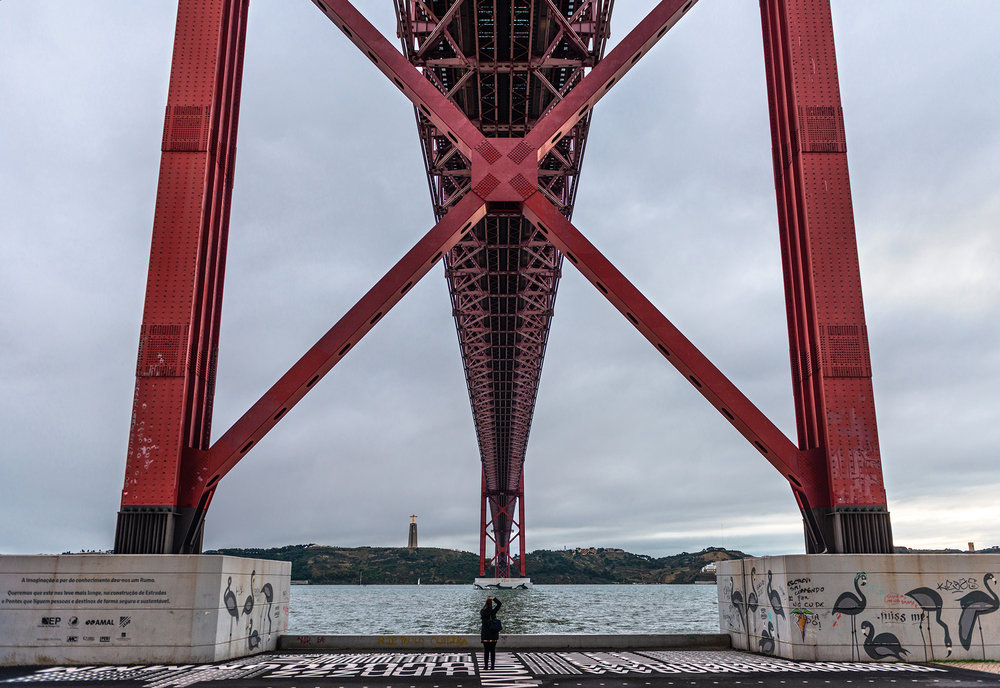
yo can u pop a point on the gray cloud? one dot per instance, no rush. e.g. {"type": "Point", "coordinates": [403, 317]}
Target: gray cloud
{"type": "Point", "coordinates": [676, 190]}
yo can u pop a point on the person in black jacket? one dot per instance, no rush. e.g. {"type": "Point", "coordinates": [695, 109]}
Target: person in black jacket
{"type": "Point", "coordinates": [490, 632]}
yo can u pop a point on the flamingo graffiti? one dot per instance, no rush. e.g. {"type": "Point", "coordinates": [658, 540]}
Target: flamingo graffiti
{"type": "Point", "coordinates": [253, 640]}
{"type": "Point", "coordinates": [774, 599]}
{"type": "Point", "coordinates": [883, 645]}
{"type": "Point", "coordinates": [766, 642]}
{"type": "Point", "coordinates": [852, 605]}
{"type": "Point", "coordinates": [752, 600]}
{"type": "Point", "coordinates": [229, 599]}
{"type": "Point", "coordinates": [974, 605]}
{"type": "Point", "coordinates": [268, 593]}
{"type": "Point", "coordinates": [736, 598]}
{"type": "Point", "coordinates": [930, 601]}
{"type": "Point", "coordinates": [248, 604]}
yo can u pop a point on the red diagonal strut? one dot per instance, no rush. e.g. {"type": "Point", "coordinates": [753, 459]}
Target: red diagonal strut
{"type": "Point", "coordinates": [330, 349]}
{"type": "Point", "coordinates": [446, 116]}
{"type": "Point", "coordinates": [677, 349]}
{"type": "Point", "coordinates": [564, 116]}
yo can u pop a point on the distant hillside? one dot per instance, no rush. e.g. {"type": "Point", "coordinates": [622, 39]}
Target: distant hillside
{"type": "Point", "coordinates": [323, 565]}
{"type": "Point", "coordinates": [607, 565]}
{"type": "Point", "coordinates": [397, 565]}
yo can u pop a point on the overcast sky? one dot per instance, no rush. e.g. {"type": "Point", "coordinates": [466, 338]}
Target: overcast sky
{"type": "Point", "coordinates": [677, 190]}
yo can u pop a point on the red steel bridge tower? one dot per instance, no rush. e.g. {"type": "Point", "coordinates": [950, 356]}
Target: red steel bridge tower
{"type": "Point", "coordinates": [503, 93]}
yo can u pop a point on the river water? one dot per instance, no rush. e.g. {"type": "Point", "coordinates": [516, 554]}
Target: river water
{"type": "Point", "coordinates": [451, 609]}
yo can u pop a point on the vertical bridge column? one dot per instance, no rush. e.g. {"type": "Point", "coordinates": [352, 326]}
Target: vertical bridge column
{"type": "Point", "coordinates": [828, 339]}
{"type": "Point", "coordinates": [497, 506]}
{"type": "Point", "coordinates": [178, 344]}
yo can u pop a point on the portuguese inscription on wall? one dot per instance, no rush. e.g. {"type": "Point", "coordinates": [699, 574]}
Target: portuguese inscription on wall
{"type": "Point", "coordinates": [83, 591]}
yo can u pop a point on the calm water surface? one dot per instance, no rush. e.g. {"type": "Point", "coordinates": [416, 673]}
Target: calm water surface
{"type": "Point", "coordinates": [391, 609]}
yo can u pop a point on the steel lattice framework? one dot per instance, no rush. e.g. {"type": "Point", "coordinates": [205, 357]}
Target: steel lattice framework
{"type": "Point", "coordinates": [503, 93]}
{"type": "Point", "coordinates": [504, 65]}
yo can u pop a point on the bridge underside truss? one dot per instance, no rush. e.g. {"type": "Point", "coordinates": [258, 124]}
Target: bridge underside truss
{"type": "Point", "coordinates": [504, 65]}
{"type": "Point", "coordinates": [503, 93]}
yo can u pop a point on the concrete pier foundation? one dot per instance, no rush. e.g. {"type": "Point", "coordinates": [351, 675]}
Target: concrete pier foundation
{"type": "Point", "coordinates": [139, 609]}
{"type": "Point", "coordinates": [863, 607]}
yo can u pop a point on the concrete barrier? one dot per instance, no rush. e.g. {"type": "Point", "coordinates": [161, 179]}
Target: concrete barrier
{"type": "Point", "coordinates": [863, 607]}
{"type": "Point", "coordinates": [514, 641]}
{"type": "Point", "coordinates": [139, 609]}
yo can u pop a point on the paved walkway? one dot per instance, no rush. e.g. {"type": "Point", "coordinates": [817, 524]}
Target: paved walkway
{"type": "Point", "coordinates": [641, 669]}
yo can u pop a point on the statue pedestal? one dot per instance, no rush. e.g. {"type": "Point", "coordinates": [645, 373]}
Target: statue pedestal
{"type": "Point", "coordinates": [139, 609]}
{"type": "Point", "coordinates": [863, 607]}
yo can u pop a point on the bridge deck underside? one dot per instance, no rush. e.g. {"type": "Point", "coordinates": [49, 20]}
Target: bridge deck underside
{"type": "Point", "coordinates": [504, 64]}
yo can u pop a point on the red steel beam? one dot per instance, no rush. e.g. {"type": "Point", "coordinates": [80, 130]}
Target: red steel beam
{"type": "Point", "coordinates": [451, 121]}
{"type": "Point", "coordinates": [828, 339]}
{"type": "Point", "coordinates": [483, 499]}
{"type": "Point", "coordinates": [175, 371]}
{"type": "Point", "coordinates": [561, 119]}
{"type": "Point", "coordinates": [212, 465]}
{"type": "Point", "coordinates": [520, 527]}
{"type": "Point", "coordinates": [676, 348]}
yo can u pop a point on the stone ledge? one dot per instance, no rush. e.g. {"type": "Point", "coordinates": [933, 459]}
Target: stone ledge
{"type": "Point", "coordinates": [513, 641]}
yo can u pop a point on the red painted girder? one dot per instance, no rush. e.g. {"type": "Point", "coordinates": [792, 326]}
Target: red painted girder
{"type": "Point", "coordinates": [520, 526]}
{"type": "Point", "coordinates": [439, 29]}
{"type": "Point", "coordinates": [579, 101]}
{"type": "Point", "coordinates": [175, 371]}
{"type": "Point", "coordinates": [482, 529]}
{"type": "Point", "coordinates": [441, 111]}
{"type": "Point", "coordinates": [792, 252]}
{"type": "Point", "coordinates": [678, 350]}
{"type": "Point", "coordinates": [417, 26]}
{"type": "Point", "coordinates": [502, 399]}
{"type": "Point", "coordinates": [210, 466]}
{"type": "Point", "coordinates": [831, 368]}
{"type": "Point", "coordinates": [567, 30]}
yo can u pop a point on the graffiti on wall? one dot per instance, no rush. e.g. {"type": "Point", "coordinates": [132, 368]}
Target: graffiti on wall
{"type": "Point", "coordinates": [253, 611]}
{"type": "Point", "coordinates": [862, 614]}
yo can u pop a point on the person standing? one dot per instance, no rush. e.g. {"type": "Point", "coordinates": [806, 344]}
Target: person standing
{"type": "Point", "coordinates": [490, 633]}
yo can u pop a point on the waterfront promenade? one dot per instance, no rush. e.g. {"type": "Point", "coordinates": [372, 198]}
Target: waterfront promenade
{"type": "Point", "coordinates": [530, 669]}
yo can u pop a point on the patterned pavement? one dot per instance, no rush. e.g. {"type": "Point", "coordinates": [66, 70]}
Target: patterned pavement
{"type": "Point", "coordinates": [563, 669]}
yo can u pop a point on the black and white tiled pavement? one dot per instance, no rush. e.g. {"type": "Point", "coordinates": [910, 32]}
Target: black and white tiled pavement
{"type": "Point", "coordinates": [562, 669]}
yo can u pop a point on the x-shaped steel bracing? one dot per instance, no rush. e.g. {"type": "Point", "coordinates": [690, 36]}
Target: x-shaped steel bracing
{"type": "Point", "coordinates": [505, 171]}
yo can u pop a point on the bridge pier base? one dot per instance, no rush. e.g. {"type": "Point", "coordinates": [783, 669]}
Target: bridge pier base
{"type": "Point", "coordinates": [863, 607]}
{"type": "Point", "coordinates": [139, 609]}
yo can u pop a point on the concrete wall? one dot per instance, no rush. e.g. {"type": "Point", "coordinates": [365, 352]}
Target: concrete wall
{"type": "Point", "coordinates": [508, 641]}
{"type": "Point", "coordinates": [865, 607]}
{"type": "Point", "coordinates": [139, 609]}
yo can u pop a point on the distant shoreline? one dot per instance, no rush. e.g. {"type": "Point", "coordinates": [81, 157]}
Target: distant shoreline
{"type": "Point", "coordinates": [324, 565]}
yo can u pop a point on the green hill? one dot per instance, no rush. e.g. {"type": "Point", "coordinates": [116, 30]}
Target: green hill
{"type": "Point", "coordinates": [607, 565]}
{"type": "Point", "coordinates": [397, 565]}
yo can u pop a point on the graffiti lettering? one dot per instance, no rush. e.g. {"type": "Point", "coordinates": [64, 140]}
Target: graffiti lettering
{"type": "Point", "coordinates": [899, 601]}
{"type": "Point", "coordinates": [899, 617]}
{"type": "Point", "coordinates": [958, 585]}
